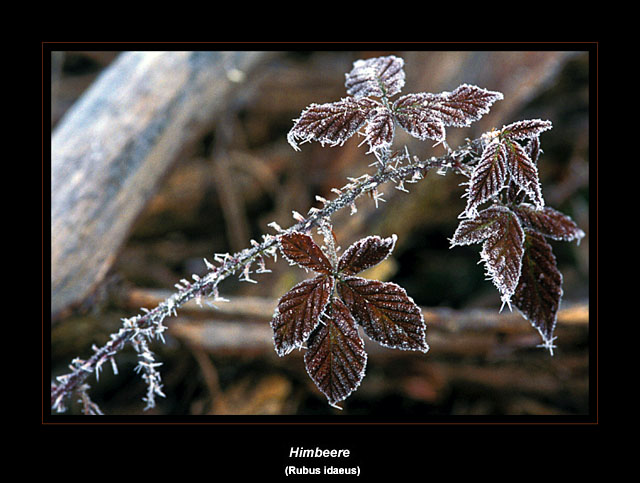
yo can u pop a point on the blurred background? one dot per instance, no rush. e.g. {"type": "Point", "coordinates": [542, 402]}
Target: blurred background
{"type": "Point", "coordinates": [236, 173]}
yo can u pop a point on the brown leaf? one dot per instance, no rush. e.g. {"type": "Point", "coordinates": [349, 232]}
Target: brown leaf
{"type": "Point", "coordinates": [336, 358]}
{"type": "Point", "coordinates": [380, 130]}
{"type": "Point", "coordinates": [379, 76]}
{"type": "Point", "coordinates": [365, 253]}
{"type": "Point", "coordinates": [298, 313]}
{"type": "Point", "coordinates": [502, 253]}
{"type": "Point", "coordinates": [385, 312]}
{"type": "Point", "coordinates": [478, 229]}
{"type": "Point", "coordinates": [331, 123]}
{"type": "Point", "coordinates": [463, 106]}
{"type": "Point", "coordinates": [488, 177]}
{"type": "Point", "coordinates": [523, 171]}
{"type": "Point", "coordinates": [502, 250]}
{"type": "Point", "coordinates": [549, 222]}
{"type": "Point", "coordinates": [416, 120]}
{"type": "Point", "coordinates": [528, 129]}
{"type": "Point", "coordinates": [539, 289]}
{"type": "Point", "coordinates": [300, 249]}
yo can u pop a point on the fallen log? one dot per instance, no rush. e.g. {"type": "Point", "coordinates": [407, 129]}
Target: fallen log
{"type": "Point", "coordinates": [112, 148]}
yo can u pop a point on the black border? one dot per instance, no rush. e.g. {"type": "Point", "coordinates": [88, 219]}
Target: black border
{"type": "Point", "coordinates": [273, 436]}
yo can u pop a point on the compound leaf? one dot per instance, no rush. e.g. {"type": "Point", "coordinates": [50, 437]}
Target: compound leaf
{"type": "Point", "coordinates": [365, 253]}
{"type": "Point", "coordinates": [298, 313]}
{"type": "Point", "coordinates": [539, 289]}
{"type": "Point", "coordinates": [336, 359]}
{"type": "Point", "coordinates": [300, 249]}
{"type": "Point", "coordinates": [331, 123]}
{"type": "Point", "coordinates": [379, 76]}
{"type": "Point", "coordinates": [385, 312]}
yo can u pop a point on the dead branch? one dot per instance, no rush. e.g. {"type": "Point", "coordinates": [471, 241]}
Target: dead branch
{"type": "Point", "coordinates": [113, 146]}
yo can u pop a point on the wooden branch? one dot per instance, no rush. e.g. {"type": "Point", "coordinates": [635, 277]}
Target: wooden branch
{"type": "Point", "coordinates": [242, 326]}
{"type": "Point", "coordinates": [112, 148]}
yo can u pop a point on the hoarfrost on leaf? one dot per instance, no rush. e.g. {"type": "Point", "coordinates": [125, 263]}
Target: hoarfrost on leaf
{"type": "Point", "coordinates": [331, 123]}
{"type": "Point", "coordinates": [523, 171]}
{"type": "Point", "coordinates": [539, 290]}
{"type": "Point", "coordinates": [549, 222]}
{"type": "Point", "coordinates": [488, 178]}
{"type": "Point", "coordinates": [366, 253]}
{"type": "Point", "coordinates": [298, 313]}
{"type": "Point", "coordinates": [502, 249]}
{"type": "Point", "coordinates": [336, 359]}
{"type": "Point", "coordinates": [528, 129]}
{"type": "Point", "coordinates": [385, 312]}
{"type": "Point", "coordinates": [379, 76]}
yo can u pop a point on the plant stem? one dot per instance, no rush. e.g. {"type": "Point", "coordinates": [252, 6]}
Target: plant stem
{"type": "Point", "coordinates": [149, 325]}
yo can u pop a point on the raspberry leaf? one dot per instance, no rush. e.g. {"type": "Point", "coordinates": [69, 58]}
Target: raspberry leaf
{"type": "Point", "coordinates": [549, 222]}
{"type": "Point", "coordinates": [336, 359]}
{"type": "Point", "coordinates": [298, 313]}
{"type": "Point", "coordinates": [385, 312]}
{"type": "Point", "coordinates": [502, 249]}
{"type": "Point", "coordinates": [365, 253]}
{"type": "Point", "coordinates": [301, 250]}
{"type": "Point", "coordinates": [331, 123]}
{"type": "Point", "coordinates": [488, 177]}
{"type": "Point", "coordinates": [539, 289]}
{"type": "Point", "coordinates": [380, 76]}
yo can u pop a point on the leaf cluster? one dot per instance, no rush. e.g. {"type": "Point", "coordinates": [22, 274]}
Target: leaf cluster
{"type": "Point", "coordinates": [370, 85]}
{"type": "Point", "coordinates": [323, 312]}
{"type": "Point", "coordinates": [513, 232]}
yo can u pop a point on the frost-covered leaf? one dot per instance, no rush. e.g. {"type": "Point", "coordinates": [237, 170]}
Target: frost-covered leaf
{"type": "Point", "coordinates": [331, 123]}
{"type": "Point", "coordinates": [298, 313]}
{"type": "Point", "coordinates": [379, 76]}
{"type": "Point", "coordinates": [416, 120]}
{"type": "Point", "coordinates": [502, 254]}
{"type": "Point", "coordinates": [380, 130]}
{"type": "Point", "coordinates": [425, 115]}
{"type": "Point", "coordinates": [533, 149]}
{"type": "Point", "coordinates": [300, 249]}
{"type": "Point", "coordinates": [503, 245]}
{"type": "Point", "coordinates": [549, 222]}
{"type": "Point", "coordinates": [523, 171]}
{"type": "Point", "coordinates": [365, 253]}
{"type": "Point", "coordinates": [515, 194]}
{"type": "Point", "coordinates": [525, 129]}
{"type": "Point", "coordinates": [385, 312]}
{"type": "Point", "coordinates": [335, 359]}
{"type": "Point", "coordinates": [488, 178]}
{"type": "Point", "coordinates": [476, 230]}
{"type": "Point", "coordinates": [539, 289]}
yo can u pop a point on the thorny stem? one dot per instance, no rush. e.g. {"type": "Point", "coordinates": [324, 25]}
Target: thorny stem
{"type": "Point", "coordinates": [137, 330]}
